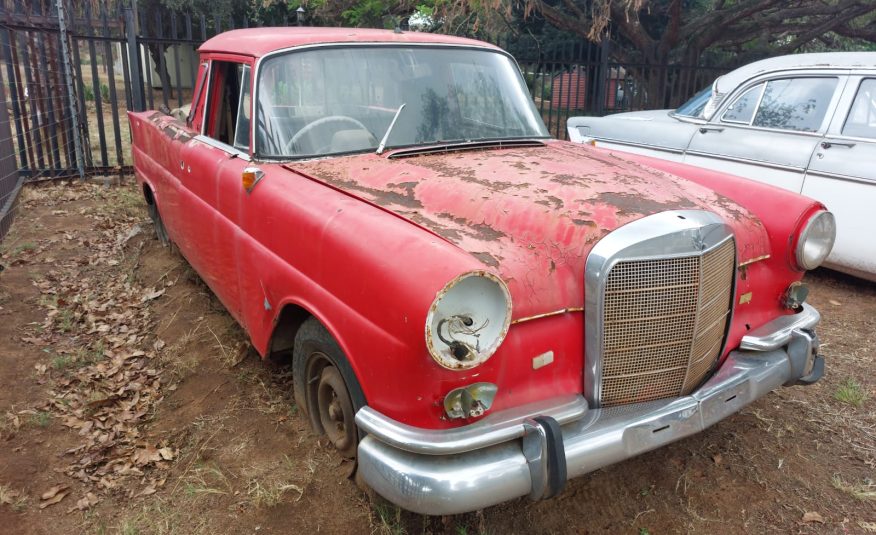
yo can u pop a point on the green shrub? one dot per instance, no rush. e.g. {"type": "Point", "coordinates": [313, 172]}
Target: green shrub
{"type": "Point", "coordinates": [89, 93]}
{"type": "Point", "coordinates": [104, 92]}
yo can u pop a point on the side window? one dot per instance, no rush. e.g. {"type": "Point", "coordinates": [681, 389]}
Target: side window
{"type": "Point", "coordinates": [861, 121]}
{"type": "Point", "coordinates": [742, 109]}
{"type": "Point", "coordinates": [223, 106]}
{"type": "Point", "coordinates": [200, 89]}
{"type": "Point", "coordinates": [798, 104]}
{"type": "Point", "coordinates": [244, 107]}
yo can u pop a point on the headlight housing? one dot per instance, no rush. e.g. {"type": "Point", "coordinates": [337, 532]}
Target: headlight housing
{"type": "Point", "coordinates": [468, 320]}
{"type": "Point", "coordinates": [815, 240]}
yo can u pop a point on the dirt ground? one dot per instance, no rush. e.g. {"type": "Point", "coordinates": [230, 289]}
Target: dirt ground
{"type": "Point", "coordinates": [130, 403]}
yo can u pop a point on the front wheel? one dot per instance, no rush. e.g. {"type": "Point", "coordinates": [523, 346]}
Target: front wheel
{"type": "Point", "coordinates": [326, 388]}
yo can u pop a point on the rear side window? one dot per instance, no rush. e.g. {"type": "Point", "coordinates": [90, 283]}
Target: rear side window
{"type": "Point", "coordinates": [742, 110]}
{"type": "Point", "coordinates": [227, 87]}
{"type": "Point", "coordinates": [798, 104]}
{"type": "Point", "coordinates": [861, 121]}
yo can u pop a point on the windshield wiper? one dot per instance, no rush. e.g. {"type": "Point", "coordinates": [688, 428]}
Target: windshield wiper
{"type": "Point", "coordinates": [389, 129]}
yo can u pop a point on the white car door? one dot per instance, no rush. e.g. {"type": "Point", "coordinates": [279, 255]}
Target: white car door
{"type": "Point", "coordinates": [842, 175]}
{"type": "Point", "coordinates": [769, 128]}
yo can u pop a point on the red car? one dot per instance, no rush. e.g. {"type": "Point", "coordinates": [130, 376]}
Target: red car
{"type": "Point", "coordinates": [474, 311]}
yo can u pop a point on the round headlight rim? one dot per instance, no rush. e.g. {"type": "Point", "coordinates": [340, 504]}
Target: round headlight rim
{"type": "Point", "coordinates": [430, 336]}
{"type": "Point", "coordinates": [803, 235]}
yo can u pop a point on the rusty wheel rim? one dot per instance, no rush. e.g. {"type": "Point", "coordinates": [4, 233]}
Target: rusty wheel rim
{"type": "Point", "coordinates": [336, 411]}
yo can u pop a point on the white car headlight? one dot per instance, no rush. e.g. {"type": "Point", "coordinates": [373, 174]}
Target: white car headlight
{"type": "Point", "coordinates": [816, 240]}
{"type": "Point", "coordinates": [468, 320]}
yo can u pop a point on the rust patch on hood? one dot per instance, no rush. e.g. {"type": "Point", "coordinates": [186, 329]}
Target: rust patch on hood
{"type": "Point", "coordinates": [530, 213]}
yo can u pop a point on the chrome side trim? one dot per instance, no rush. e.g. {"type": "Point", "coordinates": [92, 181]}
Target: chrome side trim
{"type": "Point", "coordinates": [493, 429]}
{"type": "Point", "coordinates": [737, 159]}
{"type": "Point", "coordinates": [671, 234]}
{"type": "Point", "coordinates": [844, 178]}
{"type": "Point", "coordinates": [222, 146]}
{"type": "Point", "coordinates": [473, 480]}
{"type": "Point", "coordinates": [779, 331]}
{"type": "Point", "coordinates": [640, 145]}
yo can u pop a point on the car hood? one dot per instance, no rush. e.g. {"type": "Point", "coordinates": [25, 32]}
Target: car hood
{"type": "Point", "coordinates": [532, 214]}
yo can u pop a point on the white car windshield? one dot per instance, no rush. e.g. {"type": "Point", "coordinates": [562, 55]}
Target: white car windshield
{"type": "Point", "coordinates": [336, 100]}
{"type": "Point", "coordinates": [695, 106]}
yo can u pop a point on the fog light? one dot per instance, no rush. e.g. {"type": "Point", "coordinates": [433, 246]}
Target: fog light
{"type": "Point", "coordinates": [795, 295]}
{"type": "Point", "coordinates": [470, 401]}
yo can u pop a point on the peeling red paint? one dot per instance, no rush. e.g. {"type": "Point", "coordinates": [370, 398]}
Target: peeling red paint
{"type": "Point", "coordinates": [531, 213]}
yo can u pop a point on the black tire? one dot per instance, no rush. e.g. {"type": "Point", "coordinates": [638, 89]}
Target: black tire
{"type": "Point", "coordinates": [158, 224]}
{"type": "Point", "coordinates": [320, 368]}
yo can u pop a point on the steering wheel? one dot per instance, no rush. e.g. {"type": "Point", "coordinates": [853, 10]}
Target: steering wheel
{"type": "Point", "coordinates": [319, 122]}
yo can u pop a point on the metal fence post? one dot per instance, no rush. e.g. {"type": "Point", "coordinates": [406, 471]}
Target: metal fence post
{"type": "Point", "coordinates": [602, 78]}
{"type": "Point", "coordinates": [137, 91]}
{"type": "Point", "coordinates": [68, 78]}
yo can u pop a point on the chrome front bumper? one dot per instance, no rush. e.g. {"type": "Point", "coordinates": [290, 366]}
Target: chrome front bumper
{"type": "Point", "coordinates": [532, 450]}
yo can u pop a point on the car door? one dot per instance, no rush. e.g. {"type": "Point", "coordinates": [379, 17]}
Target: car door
{"type": "Point", "coordinates": [842, 175]}
{"type": "Point", "coordinates": [212, 169]}
{"type": "Point", "coordinates": [769, 128]}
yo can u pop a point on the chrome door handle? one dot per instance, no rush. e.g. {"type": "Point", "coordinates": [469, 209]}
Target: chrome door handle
{"type": "Point", "coordinates": [829, 144]}
{"type": "Point", "coordinates": [707, 129]}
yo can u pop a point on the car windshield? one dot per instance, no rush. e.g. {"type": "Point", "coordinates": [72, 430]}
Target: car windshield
{"type": "Point", "coordinates": [695, 106]}
{"type": "Point", "coordinates": [335, 100]}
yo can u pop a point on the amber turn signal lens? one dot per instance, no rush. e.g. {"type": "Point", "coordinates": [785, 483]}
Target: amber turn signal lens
{"type": "Point", "coordinates": [249, 179]}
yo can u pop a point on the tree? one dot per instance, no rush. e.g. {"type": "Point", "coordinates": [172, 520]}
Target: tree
{"type": "Point", "coordinates": [682, 31]}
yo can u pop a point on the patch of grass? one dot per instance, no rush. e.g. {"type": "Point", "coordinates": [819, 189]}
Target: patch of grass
{"type": "Point", "coordinates": [269, 494]}
{"type": "Point", "coordinates": [862, 491]}
{"type": "Point", "coordinates": [160, 517]}
{"type": "Point", "coordinates": [851, 393]}
{"type": "Point", "coordinates": [104, 92]}
{"type": "Point", "coordinates": [40, 419]}
{"type": "Point", "coordinates": [389, 520]}
{"type": "Point", "coordinates": [23, 248]}
{"type": "Point", "coordinates": [88, 356]}
{"type": "Point", "coordinates": [48, 301]}
{"type": "Point", "coordinates": [65, 320]}
{"type": "Point", "coordinates": [206, 480]}
{"type": "Point", "coordinates": [61, 362]}
{"type": "Point", "coordinates": [14, 499]}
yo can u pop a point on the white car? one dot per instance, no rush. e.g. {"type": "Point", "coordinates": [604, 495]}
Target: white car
{"type": "Point", "coordinates": [804, 122]}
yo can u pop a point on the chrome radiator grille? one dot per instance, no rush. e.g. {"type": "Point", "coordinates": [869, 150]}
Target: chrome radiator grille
{"type": "Point", "coordinates": [663, 324]}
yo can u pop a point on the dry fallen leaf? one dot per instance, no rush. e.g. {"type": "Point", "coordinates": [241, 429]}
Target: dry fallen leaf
{"type": "Point", "coordinates": [54, 495]}
{"type": "Point", "coordinates": [89, 500]}
{"type": "Point", "coordinates": [153, 295]}
{"type": "Point", "coordinates": [52, 492]}
{"type": "Point", "coordinates": [717, 458]}
{"type": "Point", "coordinates": [812, 516]}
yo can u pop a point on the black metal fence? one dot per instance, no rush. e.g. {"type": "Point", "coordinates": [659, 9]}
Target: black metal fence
{"type": "Point", "coordinates": [71, 69]}
{"type": "Point", "coordinates": [578, 78]}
